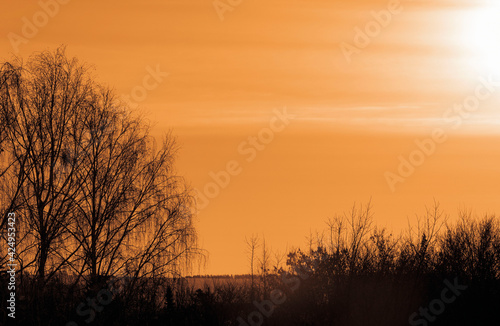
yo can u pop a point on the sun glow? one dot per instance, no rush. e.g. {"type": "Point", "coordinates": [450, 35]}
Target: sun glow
{"type": "Point", "coordinates": [481, 37]}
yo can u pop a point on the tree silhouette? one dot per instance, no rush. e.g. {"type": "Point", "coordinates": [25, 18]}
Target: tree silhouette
{"type": "Point", "coordinates": [96, 195]}
{"type": "Point", "coordinates": [252, 244]}
{"type": "Point", "coordinates": [44, 102]}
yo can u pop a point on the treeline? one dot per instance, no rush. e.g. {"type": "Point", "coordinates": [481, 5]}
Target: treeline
{"type": "Point", "coordinates": [362, 275]}
{"type": "Point", "coordinates": [354, 273]}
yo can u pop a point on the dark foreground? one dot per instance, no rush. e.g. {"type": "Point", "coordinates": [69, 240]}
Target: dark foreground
{"type": "Point", "coordinates": [446, 278]}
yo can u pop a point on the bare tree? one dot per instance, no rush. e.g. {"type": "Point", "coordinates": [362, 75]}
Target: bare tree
{"type": "Point", "coordinates": [310, 242]}
{"type": "Point", "coordinates": [252, 245]}
{"type": "Point", "coordinates": [96, 195]}
{"type": "Point", "coordinates": [422, 240]}
{"type": "Point", "coordinates": [360, 224]}
{"type": "Point", "coordinates": [46, 105]}
{"type": "Point", "coordinates": [336, 229]}
{"type": "Point", "coordinates": [279, 259]}
{"type": "Point", "coordinates": [264, 262]}
{"type": "Point", "coordinates": [12, 162]}
{"type": "Point", "coordinates": [133, 216]}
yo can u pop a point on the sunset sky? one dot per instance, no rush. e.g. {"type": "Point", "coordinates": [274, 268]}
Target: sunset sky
{"type": "Point", "coordinates": [363, 84]}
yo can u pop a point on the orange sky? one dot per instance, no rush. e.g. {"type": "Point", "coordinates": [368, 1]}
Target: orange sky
{"type": "Point", "coordinates": [352, 118]}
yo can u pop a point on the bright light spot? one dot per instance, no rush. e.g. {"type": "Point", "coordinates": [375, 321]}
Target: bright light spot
{"type": "Point", "coordinates": [481, 37]}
